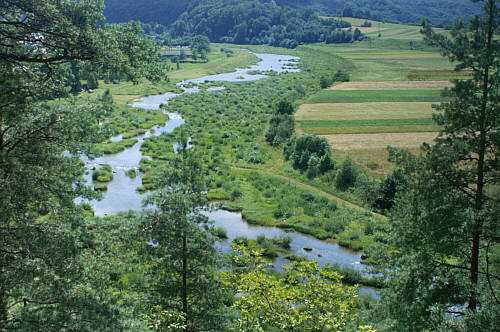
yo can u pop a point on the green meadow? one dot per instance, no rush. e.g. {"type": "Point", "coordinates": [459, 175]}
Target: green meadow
{"type": "Point", "coordinates": [367, 96]}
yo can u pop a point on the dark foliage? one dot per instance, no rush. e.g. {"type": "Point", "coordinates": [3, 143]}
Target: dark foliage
{"type": "Point", "coordinates": [282, 124]}
{"type": "Point", "coordinates": [166, 12]}
{"type": "Point", "coordinates": [246, 22]}
{"type": "Point", "coordinates": [347, 176]}
{"type": "Point", "coordinates": [388, 190]}
{"type": "Point", "coordinates": [442, 12]}
{"type": "Point", "coordinates": [310, 154]}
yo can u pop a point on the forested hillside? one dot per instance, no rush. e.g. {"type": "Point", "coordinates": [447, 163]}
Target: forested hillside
{"type": "Point", "coordinates": [158, 11]}
{"type": "Point", "coordinates": [440, 12]}
{"type": "Point", "coordinates": [258, 22]}
{"type": "Point", "coordinates": [166, 12]}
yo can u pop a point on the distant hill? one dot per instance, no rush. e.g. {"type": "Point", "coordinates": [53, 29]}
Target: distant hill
{"type": "Point", "coordinates": [166, 12]}
{"type": "Point", "coordinates": [148, 11]}
{"type": "Point", "coordinates": [440, 12]}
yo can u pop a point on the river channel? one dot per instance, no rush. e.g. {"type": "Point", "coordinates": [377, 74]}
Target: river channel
{"type": "Point", "coordinates": [122, 194]}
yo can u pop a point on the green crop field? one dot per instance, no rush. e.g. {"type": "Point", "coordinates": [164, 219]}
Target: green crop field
{"type": "Point", "coordinates": [353, 111]}
{"type": "Point", "coordinates": [366, 96]}
{"type": "Point", "coordinates": [388, 30]}
{"type": "Point", "coordinates": [394, 81]}
{"type": "Point", "coordinates": [393, 59]}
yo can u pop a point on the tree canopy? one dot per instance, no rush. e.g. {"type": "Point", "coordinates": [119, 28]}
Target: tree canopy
{"type": "Point", "coordinates": [445, 222]}
{"type": "Point", "coordinates": [44, 45]}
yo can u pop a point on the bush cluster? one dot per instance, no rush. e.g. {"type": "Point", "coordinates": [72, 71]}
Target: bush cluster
{"type": "Point", "coordinates": [310, 154]}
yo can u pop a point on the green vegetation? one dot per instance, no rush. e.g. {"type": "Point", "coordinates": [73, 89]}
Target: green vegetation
{"type": "Point", "coordinates": [271, 201]}
{"type": "Point", "coordinates": [382, 105]}
{"type": "Point", "coordinates": [47, 48]}
{"type": "Point", "coordinates": [68, 80]}
{"type": "Point", "coordinates": [310, 154]}
{"type": "Point", "coordinates": [219, 232]}
{"type": "Point", "coordinates": [168, 11]}
{"type": "Point", "coordinates": [272, 301]}
{"type": "Point", "coordinates": [132, 173]}
{"type": "Point", "coordinates": [445, 223]}
{"type": "Point", "coordinates": [186, 252]}
{"type": "Point", "coordinates": [114, 147]}
{"type": "Point", "coordinates": [269, 248]}
{"type": "Point", "coordinates": [250, 22]}
{"type": "Point", "coordinates": [366, 96]}
{"type": "Point", "coordinates": [103, 174]}
{"type": "Point", "coordinates": [393, 60]}
{"type": "Point", "coordinates": [281, 125]}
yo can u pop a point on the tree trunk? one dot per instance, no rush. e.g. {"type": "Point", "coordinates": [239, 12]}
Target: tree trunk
{"type": "Point", "coordinates": [184, 278]}
{"type": "Point", "coordinates": [3, 311]}
{"type": "Point", "coordinates": [479, 199]}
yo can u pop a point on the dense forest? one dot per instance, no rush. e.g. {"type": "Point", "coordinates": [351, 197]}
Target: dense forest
{"type": "Point", "coordinates": [167, 12]}
{"type": "Point", "coordinates": [402, 11]}
{"type": "Point", "coordinates": [256, 22]}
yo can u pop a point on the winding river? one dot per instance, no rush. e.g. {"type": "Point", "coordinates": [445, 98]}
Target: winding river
{"type": "Point", "coordinates": [122, 195]}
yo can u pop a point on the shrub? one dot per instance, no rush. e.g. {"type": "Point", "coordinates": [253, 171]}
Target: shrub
{"type": "Point", "coordinates": [103, 174]}
{"type": "Point", "coordinates": [310, 154]}
{"type": "Point", "coordinates": [281, 127]}
{"type": "Point", "coordinates": [388, 190]}
{"type": "Point", "coordinates": [283, 242]}
{"type": "Point", "coordinates": [341, 76]}
{"type": "Point", "coordinates": [325, 82]}
{"type": "Point", "coordinates": [346, 177]}
{"type": "Point", "coordinates": [285, 107]}
{"type": "Point", "coordinates": [366, 24]}
{"type": "Point", "coordinates": [132, 173]}
{"type": "Point", "coordinates": [242, 240]}
{"type": "Point", "coordinates": [219, 232]}
{"type": "Point", "coordinates": [236, 193]}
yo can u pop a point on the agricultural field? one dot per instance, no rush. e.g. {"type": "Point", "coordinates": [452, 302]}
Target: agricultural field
{"type": "Point", "coordinates": [387, 30]}
{"type": "Point", "coordinates": [395, 81]}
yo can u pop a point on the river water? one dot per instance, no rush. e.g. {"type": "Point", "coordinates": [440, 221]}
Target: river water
{"type": "Point", "coordinates": [122, 195]}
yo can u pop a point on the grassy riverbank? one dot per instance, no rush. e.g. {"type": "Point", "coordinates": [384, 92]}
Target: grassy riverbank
{"type": "Point", "coordinates": [228, 129]}
{"type": "Point", "coordinates": [231, 144]}
{"type": "Point", "coordinates": [131, 122]}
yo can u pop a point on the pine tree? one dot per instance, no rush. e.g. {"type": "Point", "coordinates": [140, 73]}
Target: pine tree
{"type": "Point", "coordinates": [445, 221]}
{"type": "Point", "coordinates": [184, 262]}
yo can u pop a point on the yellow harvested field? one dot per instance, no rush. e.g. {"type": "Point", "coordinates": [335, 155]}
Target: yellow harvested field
{"type": "Point", "coordinates": [391, 85]}
{"type": "Point", "coordinates": [364, 111]}
{"type": "Point", "coordinates": [345, 142]}
{"type": "Point", "coordinates": [374, 161]}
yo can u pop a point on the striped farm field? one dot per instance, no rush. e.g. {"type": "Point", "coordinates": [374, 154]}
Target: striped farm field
{"type": "Point", "coordinates": [392, 85]}
{"type": "Point", "coordinates": [374, 161]}
{"type": "Point", "coordinates": [395, 78]}
{"type": "Point", "coordinates": [346, 142]}
{"type": "Point", "coordinates": [424, 125]}
{"type": "Point", "coordinates": [366, 96]}
{"type": "Point", "coordinates": [364, 111]}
